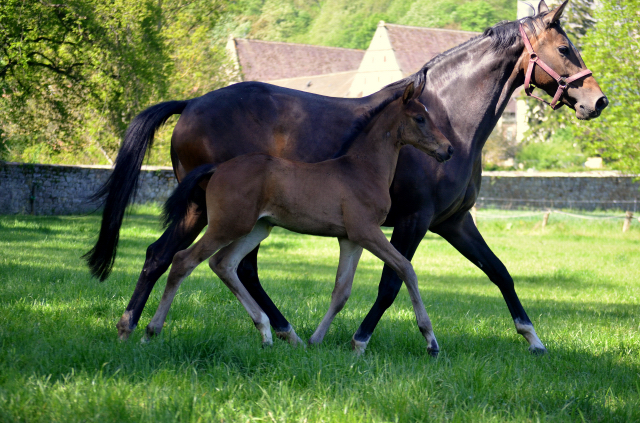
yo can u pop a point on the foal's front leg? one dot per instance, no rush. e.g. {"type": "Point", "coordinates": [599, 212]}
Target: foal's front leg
{"type": "Point", "coordinates": [350, 253]}
{"type": "Point", "coordinates": [377, 243]}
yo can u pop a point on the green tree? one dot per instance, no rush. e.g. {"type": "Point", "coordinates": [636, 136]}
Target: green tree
{"type": "Point", "coordinates": [75, 73]}
{"type": "Point", "coordinates": [612, 51]}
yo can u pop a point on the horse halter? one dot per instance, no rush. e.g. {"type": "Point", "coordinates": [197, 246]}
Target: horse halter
{"type": "Point", "coordinates": [563, 83]}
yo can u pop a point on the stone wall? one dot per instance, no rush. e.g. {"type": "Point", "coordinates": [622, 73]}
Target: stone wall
{"type": "Point", "coordinates": [549, 190]}
{"type": "Point", "coordinates": [48, 189]}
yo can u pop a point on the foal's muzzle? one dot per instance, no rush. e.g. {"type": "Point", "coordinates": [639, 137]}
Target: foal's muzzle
{"type": "Point", "coordinates": [443, 157]}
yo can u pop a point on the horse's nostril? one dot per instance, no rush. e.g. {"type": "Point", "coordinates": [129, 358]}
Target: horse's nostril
{"type": "Point", "coordinates": [602, 103]}
{"type": "Point", "coordinates": [450, 150]}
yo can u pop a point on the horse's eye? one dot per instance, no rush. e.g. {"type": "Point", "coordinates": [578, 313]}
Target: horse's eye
{"type": "Point", "coordinates": [564, 50]}
{"type": "Point", "coordinates": [419, 119]}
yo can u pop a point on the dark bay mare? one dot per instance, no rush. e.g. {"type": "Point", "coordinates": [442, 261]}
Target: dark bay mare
{"type": "Point", "coordinates": [467, 89]}
{"type": "Point", "coordinates": [346, 197]}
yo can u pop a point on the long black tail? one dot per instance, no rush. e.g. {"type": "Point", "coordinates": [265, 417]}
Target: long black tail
{"type": "Point", "coordinates": [120, 188]}
{"type": "Point", "coordinates": [177, 205]}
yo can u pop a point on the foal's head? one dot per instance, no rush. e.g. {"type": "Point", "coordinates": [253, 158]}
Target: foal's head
{"type": "Point", "coordinates": [418, 129]}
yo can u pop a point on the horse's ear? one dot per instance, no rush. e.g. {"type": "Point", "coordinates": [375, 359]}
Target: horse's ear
{"type": "Point", "coordinates": [420, 89]}
{"type": "Point", "coordinates": [542, 7]}
{"type": "Point", "coordinates": [555, 15]}
{"type": "Point", "coordinates": [407, 96]}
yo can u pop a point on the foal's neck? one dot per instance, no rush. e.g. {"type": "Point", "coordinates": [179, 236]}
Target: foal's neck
{"type": "Point", "coordinates": [378, 145]}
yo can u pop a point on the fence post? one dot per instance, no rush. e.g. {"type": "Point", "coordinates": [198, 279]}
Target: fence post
{"type": "Point", "coordinates": [627, 221]}
{"type": "Point", "coordinates": [545, 218]}
{"type": "Point", "coordinates": [473, 215]}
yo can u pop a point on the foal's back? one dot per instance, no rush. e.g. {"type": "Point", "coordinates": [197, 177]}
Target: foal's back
{"type": "Point", "coordinates": [308, 198]}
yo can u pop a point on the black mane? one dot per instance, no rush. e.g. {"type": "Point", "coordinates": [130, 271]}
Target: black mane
{"type": "Point", "coordinates": [503, 35]}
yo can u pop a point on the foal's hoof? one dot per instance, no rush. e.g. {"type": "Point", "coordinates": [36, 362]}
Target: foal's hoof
{"type": "Point", "coordinates": [267, 345]}
{"type": "Point", "coordinates": [537, 350]}
{"type": "Point", "coordinates": [433, 352]}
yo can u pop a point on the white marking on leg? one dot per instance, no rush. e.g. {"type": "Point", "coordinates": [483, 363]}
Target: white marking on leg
{"type": "Point", "coordinates": [529, 333]}
{"type": "Point", "coordinates": [290, 336]}
{"type": "Point", "coordinates": [350, 253]}
{"type": "Point", "coordinates": [358, 347]}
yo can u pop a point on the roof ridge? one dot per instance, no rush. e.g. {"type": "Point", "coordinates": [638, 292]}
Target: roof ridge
{"type": "Point", "coordinates": [297, 44]}
{"type": "Point", "coordinates": [312, 76]}
{"type": "Point", "coordinates": [433, 29]}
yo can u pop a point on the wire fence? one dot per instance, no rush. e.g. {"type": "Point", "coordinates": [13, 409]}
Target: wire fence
{"type": "Point", "coordinates": [632, 205]}
{"type": "Point", "coordinates": [627, 216]}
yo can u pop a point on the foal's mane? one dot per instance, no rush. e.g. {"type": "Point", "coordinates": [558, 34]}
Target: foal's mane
{"type": "Point", "coordinates": [362, 122]}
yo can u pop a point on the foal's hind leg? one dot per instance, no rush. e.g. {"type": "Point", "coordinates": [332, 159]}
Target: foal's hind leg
{"type": "Point", "coordinates": [350, 253]}
{"type": "Point", "coordinates": [183, 264]}
{"type": "Point", "coordinates": [375, 241]}
{"type": "Point", "coordinates": [225, 264]}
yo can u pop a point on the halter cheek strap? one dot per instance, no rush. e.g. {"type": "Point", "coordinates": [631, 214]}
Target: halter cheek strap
{"type": "Point", "coordinates": [562, 82]}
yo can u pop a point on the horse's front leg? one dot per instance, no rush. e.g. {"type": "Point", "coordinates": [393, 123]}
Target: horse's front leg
{"type": "Point", "coordinates": [377, 244]}
{"type": "Point", "coordinates": [406, 237]}
{"type": "Point", "coordinates": [350, 253]}
{"type": "Point", "coordinates": [464, 236]}
{"type": "Point", "coordinates": [177, 237]}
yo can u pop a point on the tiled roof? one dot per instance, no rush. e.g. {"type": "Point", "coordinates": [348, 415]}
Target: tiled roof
{"type": "Point", "coordinates": [269, 60]}
{"type": "Point", "coordinates": [415, 46]}
{"type": "Point", "coordinates": [332, 85]}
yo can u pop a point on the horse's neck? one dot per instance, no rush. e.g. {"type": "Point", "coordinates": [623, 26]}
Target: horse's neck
{"type": "Point", "coordinates": [378, 146]}
{"type": "Point", "coordinates": [468, 91]}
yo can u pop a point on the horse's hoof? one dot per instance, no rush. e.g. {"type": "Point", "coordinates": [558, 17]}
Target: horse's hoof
{"type": "Point", "coordinates": [537, 350]}
{"type": "Point", "coordinates": [433, 353]}
{"type": "Point", "coordinates": [267, 345]}
{"type": "Point", "coordinates": [358, 347]}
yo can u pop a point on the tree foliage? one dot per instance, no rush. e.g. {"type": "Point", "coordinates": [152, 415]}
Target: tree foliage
{"type": "Point", "coordinates": [64, 64]}
{"type": "Point", "coordinates": [73, 75]}
{"type": "Point", "coordinates": [612, 51]}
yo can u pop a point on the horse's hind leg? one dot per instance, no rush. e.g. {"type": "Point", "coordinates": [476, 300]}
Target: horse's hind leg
{"type": "Point", "coordinates": [350, 253]}
{"type": "Point", "coordinates": [225, 264]}
{"type": "Point", "coordinates": [375, 241]}
{"type": "Point", "coordinates": [182, 265]}
{"type": "Point", "coordinates": [177, 237]}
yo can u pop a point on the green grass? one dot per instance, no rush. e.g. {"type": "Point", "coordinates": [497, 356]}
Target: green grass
{"type": "Point", "coordinates": [60, 360]}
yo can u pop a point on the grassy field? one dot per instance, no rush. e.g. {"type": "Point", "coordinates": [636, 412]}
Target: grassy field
{"type": "Point", "coordinates": [579, 281]}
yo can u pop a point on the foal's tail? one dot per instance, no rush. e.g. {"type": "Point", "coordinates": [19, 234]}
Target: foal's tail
{"type": "Point", "coordinates": [120, 188]}
{"type": "Point", "coordinates": [177, 205]}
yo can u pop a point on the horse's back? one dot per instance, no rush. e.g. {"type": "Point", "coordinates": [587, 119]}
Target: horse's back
{"type": "Point", "coordinates": [256, 117]}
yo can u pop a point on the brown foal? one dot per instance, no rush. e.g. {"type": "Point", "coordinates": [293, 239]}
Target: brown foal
{"type": "Point", "coordinates": [346, 197]}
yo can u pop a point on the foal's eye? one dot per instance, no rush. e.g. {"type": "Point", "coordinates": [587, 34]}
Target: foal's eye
{"type": "Point", "coordinates": [564, 50]}
{"type": "Point", "coordinates": [419, 119]}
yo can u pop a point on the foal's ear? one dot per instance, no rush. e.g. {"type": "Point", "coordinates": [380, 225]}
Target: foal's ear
{"type": "Point", "coordinates": [555, 15]}
{"type": "Point", "coordinates": [407, 96]}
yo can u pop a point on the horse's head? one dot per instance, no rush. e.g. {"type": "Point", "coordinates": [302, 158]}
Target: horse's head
{"type": "Point", "coordinates": [418, 128]}
{"type": "Point", "coordinates": [552, 47]}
